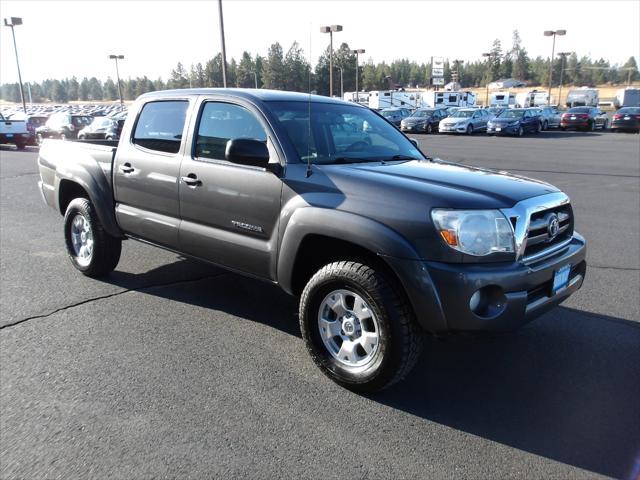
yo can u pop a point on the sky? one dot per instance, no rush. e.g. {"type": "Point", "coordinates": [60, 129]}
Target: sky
{"type": "Point", "coordinates": [74, 38]}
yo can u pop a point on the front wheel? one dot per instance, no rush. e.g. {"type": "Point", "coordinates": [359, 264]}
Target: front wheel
{"type": "Point", "coordinates": [545, 126]}
{"type": "Point", "coordinates": [605, 125]}
{"type": "Point", "coordinates": [39, 139]}
{"type": "Point", "coordinates": [469, 129]}
{"type": "Point", "coordinates": [429, 128]}
{"type": "Point", "coordinates": [92, 250]}
{"type": "Point", "coordinates": [358, 327]}
{"type": "Point", "coordinates": [520, 131]}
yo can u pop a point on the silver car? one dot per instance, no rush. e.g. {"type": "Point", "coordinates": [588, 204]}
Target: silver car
{"type": "Point", "coordinates": [466, 120]}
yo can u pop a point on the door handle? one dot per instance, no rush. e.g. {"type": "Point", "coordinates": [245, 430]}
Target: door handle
{"type": "Point", "coordinates": [191, 180]}
{"type": "Point", "coordinates": [126, 168]}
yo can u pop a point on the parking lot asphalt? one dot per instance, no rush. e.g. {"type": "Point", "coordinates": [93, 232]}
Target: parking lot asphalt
{"type": "Point", "coordinates": [171, 368]}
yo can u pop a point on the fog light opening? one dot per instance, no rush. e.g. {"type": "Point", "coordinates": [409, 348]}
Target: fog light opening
{"type": "Point", "coordinates": [488, 302]}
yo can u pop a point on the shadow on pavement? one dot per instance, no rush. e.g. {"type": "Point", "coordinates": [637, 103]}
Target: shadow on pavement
{"type": "Point", "coordinates": [566, 386]}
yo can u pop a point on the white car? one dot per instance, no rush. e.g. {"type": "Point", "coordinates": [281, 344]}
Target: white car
{"type": "Point", "coordinates": [465, 120]}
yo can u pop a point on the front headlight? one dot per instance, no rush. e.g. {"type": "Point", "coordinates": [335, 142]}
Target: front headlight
{"type": "Point", "coordinates": [474, 232]}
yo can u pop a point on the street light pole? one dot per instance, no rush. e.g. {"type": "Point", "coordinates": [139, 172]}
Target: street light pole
{"type": "Point", "coordinates": [330, 29]}
{"type": "Point", "coordinates": [116, 58]}
{"type": "Point", "coordinates": [224, 52]}
{"type": "Point", "coordinates": [357, 51]}
{"type": "Point", "coordinates": [552, 33]}
{"type": "Point", "coordinates": [341, 84]}
{"type": "Point", "coordinates": [14, 22]}
{"type": "Point", "coordinates": [563, 60]}
{"type": "Point", "coordinates": [255, 77]}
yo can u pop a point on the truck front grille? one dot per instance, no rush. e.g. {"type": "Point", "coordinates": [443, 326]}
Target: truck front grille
{"type": "Point", "coordinates": [539, 238]}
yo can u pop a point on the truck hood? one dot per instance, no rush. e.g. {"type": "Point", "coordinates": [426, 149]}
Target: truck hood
{"type": "Point", "coordinates": [446, 184]}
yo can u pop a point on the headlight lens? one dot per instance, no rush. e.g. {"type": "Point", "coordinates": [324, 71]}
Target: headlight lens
{"type": "Point", "coordinates": [474, 232]}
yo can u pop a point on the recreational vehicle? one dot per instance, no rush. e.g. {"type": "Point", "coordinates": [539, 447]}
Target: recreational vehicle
{"type": "Point", "coordinates": [502, 99]}
{"type": "Point", "coordinates": [627, 97]}
{"type": "Point", "coordinates": [582, 97]}
{"type": "Point", "coordinates": [379, 99]}
{"type": "Point", "coordinates": [448, 99]}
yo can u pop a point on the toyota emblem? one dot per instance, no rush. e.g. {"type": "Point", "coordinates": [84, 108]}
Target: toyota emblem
{"type": "Point", "coordinates": [553, 226]}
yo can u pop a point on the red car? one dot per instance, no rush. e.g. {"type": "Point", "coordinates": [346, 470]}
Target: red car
{"type": "Point", "coordinates": [584, 118]}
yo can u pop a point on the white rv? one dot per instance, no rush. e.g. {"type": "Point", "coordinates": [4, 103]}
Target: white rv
{"type": "Point", "coordinates": [502, 99]}
{"type": "Point", "coordinates": [583, 97]}
{"type": "Point", "coordinates": [380, 99]}
{"type": "Point", "coordinates": [534, 98]}
{"type": "Point", "coordinates": [435, 99]}
{"type": "Point", "coordinates": [627, 97]}
{"type": "Point", "coordinates": [357, 97]}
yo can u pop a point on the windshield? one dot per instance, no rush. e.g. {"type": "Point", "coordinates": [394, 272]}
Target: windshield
{"type": "Point", "coordinates": [81, 121]}
{"type": "Point", "coordinates": [511, 114]}
{"type": "Point", "coordinates": [422, 113]}
{"type": "Point", "coordinates": [579, 110]}
{"type": "Point", "coordinates": [463, 114]}
{"type": "Point", "coordinates": [341, 133]}
{"type": "Point", "coordinates": [389, 113]}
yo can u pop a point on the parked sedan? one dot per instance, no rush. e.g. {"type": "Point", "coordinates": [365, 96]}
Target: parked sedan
{"type": "Point", "coordinates": [584, 118]}
{"type": "Point", "coordinates": [102, 128]}
{"type": "Point", "coordinates": [627, 118]}
{"type": "Point", "coordinates": [63, 126]}
{"type": "Point", "coordinates": [465, 120]}
{"type": "Point", "coordinates": [395, 115]}
{"type": "Point", "coordinates": [423, 120]}
{"type": "Point", "coordinates": [515, 121]}
{"type": "Point", "coordinates": [550, 117]}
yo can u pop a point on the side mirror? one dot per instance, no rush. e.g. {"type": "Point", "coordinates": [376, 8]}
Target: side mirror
{"type": "Point", "coordinates": [415, 142]}
{"type": "Point", "coordinates": [244, 151]}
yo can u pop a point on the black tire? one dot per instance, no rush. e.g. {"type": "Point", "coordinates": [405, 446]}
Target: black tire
{"type": "Point", "coordinates": [105, 252]}
{"type": "Point", "coordinates": [545, 126]}
{"type": "Point", "coordinates": [592, 126]}
{"type": "Point", "coordinates": [429, 128]}
{"type": "Point", "coordinates": [564, 129]}
{"type": "Point", "coordinates": [63, 136]}
{"type": "Point", "coordinates": [538, 128]}
{"type": "Point", "coordinates": [469, 129]}
{"type": "Point", "coordinates": [605, 125]}
{"type": "Point", "coordinates": [39, 139]}
{"type": "Point", "coordinates": [20, 145]}
{"type": "Point", "coordinates": [81, 137]}
{"type": "Point", "coordinates": [520, 131]}
{"type": "Point", "coordinates": [399, 336]}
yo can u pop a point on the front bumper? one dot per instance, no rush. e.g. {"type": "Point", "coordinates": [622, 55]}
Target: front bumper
{"type": "Point", "coordinates": [440, 293]}
{"type": "Point", "coordinates": [420, 127]}
{"type": "Point", "coordinates": [503, 129]}
{"type": "Point", "coordinates": [452, 129]}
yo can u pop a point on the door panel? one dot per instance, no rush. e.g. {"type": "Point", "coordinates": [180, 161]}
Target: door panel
{"type": "Point", "coordinates": [231, 216]}
{"type": "Point", "coordinates": [146, 174]}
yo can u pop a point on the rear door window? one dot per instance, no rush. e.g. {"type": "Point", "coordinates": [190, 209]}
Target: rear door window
{"type": "Point", "coordinates": [160, 125]}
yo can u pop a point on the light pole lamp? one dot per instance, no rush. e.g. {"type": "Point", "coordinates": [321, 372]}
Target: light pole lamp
{"type": "Point", "coordinates": [116, 58]}
{"type": "Point", "coordinates": [563, 59]}
{"type": "Point", "coordinates": [357, 52]}
{"type": "Point", "coordinates": [14, 22]}
{"type": "Point", "coordinates": [490, 56]}
{"type": "Point", "coordinates": [552, 33]}
{"type": "Point", "coordinates": [330, 29]}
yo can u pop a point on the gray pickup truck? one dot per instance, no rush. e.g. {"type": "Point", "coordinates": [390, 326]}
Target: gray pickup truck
{"type": "Point", "coordinates": [332, 203]}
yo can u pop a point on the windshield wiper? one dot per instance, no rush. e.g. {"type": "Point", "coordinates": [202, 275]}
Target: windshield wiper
{"type": "Point", "coordinates": [351, 160]}
{"type": "Point", "coordinates": [401, 157]}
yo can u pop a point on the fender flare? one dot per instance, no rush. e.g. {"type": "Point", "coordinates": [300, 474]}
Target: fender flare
{"type": "Point", "coordinates": [93, 180]}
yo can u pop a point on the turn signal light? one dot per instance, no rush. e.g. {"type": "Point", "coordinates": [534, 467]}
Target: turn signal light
{"type": "Point", "coordinates": [450, 237]}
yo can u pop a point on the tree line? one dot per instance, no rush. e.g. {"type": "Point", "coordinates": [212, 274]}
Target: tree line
{"type": "Point", "coordinates": [291, 71]}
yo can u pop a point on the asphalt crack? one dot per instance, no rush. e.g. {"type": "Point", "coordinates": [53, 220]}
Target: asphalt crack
{"type": "Point", "coordinates": [604, 267]}
{"type": "Point", "coordinates": [110, 295]}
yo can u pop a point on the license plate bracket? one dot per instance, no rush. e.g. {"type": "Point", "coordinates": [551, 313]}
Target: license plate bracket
{"type": "Point", "coordinates": [560, 279]}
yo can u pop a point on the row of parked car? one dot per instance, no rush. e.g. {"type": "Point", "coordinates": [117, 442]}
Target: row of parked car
{"type": "Point", "coordinates": [78, 122]}
{"type": "Point", "coordinates": [509, 121]}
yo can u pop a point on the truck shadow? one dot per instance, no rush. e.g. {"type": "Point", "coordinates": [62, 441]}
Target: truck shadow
{"type": "Point", "coordinates": [565, 387]}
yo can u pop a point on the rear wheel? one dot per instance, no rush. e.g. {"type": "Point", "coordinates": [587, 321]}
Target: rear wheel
{"type": "Point", "coordinates": [358, 326]}
{"type": "Point", "coordinates": [92, 250]}
{"type": "Point", "coordinates": [20, 145]}
{"type": "Point", "coordinates": [605, 125]}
